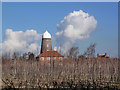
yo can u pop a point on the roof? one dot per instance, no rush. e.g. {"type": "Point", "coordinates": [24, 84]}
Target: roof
{"type": "Point", "coordinates": [46, 35]}
{"type": "Point", "coordinates": [103, 56]}
{"type": "Point", "coordinates": [50, 54]}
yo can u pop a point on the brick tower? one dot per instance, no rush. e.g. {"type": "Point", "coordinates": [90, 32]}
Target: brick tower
{"type": "Point", "coordinates": [46, 42]}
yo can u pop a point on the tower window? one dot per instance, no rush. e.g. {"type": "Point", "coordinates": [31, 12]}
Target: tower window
{"type": "Point", "coordinates": [47, 45]}
{"type": "Point", "coordinates": [48, 58]}
{"type": "Point", "coordinates": [47, 40]}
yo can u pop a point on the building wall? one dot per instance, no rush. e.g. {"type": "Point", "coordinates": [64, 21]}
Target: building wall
{"type": "Point", "coordinates": [46, 45]}
{"type": "Point", "coordinates": [48, 59]}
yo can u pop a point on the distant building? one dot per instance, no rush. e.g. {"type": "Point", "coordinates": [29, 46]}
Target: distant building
{"type": "Point", "coordinates": [102, 56]}
{"type": "Point", "coordinates": [46, 52]}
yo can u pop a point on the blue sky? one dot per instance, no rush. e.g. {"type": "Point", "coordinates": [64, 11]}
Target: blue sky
{"type": "Point", "coordinates": [39, 16]}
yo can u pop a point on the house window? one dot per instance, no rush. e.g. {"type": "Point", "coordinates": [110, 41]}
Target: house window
{"type": "Point", "coordinates": [48, 58]}
{"type": "Point", "coordinates": [54, 58]}
{"type": "Point", "coordinates": [60, 58]}
{"type": "Point", "coordinates": [42, 58]}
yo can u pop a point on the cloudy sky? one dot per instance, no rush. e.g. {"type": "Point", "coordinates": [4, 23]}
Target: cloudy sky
{"type": "Point", "coordinates": [70, 24]}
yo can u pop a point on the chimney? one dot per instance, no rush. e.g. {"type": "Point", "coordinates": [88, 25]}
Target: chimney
{"type": "Point", "coordinates": [97, 54]}
{"type": "Point", "coordinates": [105, 54]}
{"type": "Point", "coordinates": [55, 48]}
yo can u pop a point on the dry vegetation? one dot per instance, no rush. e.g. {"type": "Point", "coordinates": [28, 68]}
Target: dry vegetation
{"type": "Point", "coordinates": [79, 73]}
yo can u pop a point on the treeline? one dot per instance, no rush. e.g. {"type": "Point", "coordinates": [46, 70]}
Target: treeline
{"type": "Point", "coordinates": [76, 73]}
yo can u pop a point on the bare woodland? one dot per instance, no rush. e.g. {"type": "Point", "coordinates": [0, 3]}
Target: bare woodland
{"type": "Point", "coordinates": [79, 73]}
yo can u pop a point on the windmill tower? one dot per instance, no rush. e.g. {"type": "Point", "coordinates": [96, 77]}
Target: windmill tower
{"type": "Point", "coordinates": [46, 42]}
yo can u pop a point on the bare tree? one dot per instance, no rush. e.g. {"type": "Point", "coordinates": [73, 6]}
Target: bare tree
{"type": "Point", "coordinates": [15, 55]}
{"type": "Point", "coordinates": [81, 57]}
{"type": "Point", "coordinates": [90, 51]}
{"type": "Point", "coordinates": [118, 69]}
{"type": "Point", "coordinates": [73, 52]}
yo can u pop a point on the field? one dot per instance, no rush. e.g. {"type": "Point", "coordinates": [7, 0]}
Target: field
{"type": "Point", "coordinates": [91, 73]}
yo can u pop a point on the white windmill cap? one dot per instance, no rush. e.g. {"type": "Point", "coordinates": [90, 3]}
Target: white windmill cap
{"type": "Point", "coordinates": [46, 34]}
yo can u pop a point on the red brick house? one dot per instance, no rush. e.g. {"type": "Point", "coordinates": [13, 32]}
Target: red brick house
{"type": "Point", "coordinates": [50, 55]}
{"type": "Point", "coordinates": [102, 56]}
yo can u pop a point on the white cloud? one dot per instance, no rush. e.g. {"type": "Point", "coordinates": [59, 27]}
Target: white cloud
{"type": "Point", "coordinates": [19, 41]}
{"type": "Point", "coordinates": [78, 25]}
